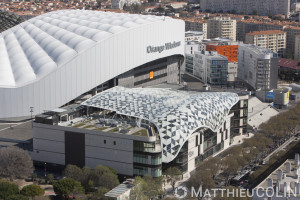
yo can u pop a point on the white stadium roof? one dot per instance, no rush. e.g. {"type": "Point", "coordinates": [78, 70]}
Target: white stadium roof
{"type": "Point", "coordinates": [176, 114]}
{"type": "Point", "coordinates": [38, 46]}
{"type": "Point", "coordinates": [54, 58]}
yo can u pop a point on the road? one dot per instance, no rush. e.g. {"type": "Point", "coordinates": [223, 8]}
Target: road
{"type": "Point", "coordinates": [280, 148]}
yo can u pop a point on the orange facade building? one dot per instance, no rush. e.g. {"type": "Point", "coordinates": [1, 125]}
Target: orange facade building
{"type": "Point", "coordinates": [230, 51]}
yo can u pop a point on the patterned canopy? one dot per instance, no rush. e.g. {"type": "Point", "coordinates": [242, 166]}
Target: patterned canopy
{"type": "Point", "coordinates": [176, 114]}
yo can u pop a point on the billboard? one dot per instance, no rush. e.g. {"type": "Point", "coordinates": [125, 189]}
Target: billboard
{"type": "Point", "coordinates": [270, 95]}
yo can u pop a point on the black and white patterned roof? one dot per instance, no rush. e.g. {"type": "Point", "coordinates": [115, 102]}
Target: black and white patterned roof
{"type": "Point", "coordinates": [177, 114]}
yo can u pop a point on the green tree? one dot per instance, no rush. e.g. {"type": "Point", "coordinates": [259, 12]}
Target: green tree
{"type": "Point", "coordinates": [99, 194]}
{"type": "Point", "coordinates": [255, 12]}
{"type": "Point", "coordinates": [173, 174]}
{"type": "Point", "coordinates": [74, 172]}
{"type": "Point", "coordinates": [17, 197]}
{"type": "Point", "coordinates": [67, 186]}
{"type": "Point", "coordinates": [32, 191]}
{"type": "Point", "coordinates": [138, 193]}
{"type": "Point", "coordinates": [50, 178]}
{"type": "Point", "coordinates": [202, 178]}
{"type": "Point", "coordinates": [102, 176]}
{"type": "Point", "coordinates": [7, 189]}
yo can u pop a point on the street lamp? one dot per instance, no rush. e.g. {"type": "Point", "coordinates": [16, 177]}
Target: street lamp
{"type": "Point", "coordinates": [45, 169]}
{"type": "Point", "coordinates": [31, 111]}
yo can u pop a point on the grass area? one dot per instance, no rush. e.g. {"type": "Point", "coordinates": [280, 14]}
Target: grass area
{"type": "Point", "coordinates": [102, 128]}
{"type": "Point", "coordinates": [142, 132]}
{"type": "Point", "coordinates": [114, 129]}
{"type": "Point", "coordinates": [89, 126]}
{"type": "Point", "coordinates": [78, 125]}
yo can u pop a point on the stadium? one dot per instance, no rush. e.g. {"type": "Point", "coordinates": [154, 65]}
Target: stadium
{"type": "Point", "coordinates": [58, 57]}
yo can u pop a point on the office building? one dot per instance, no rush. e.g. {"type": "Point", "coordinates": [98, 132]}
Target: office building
{"type": "Point", "coordinates": [227, 50]}
{"type": "Point", "coordinates": [209, 67]}
{"type": "Point", "coordinates": [264, 8]}
{"type": "Point", "coordinates": [136, 131]}
{"type": "Point", "coordinates": [222, 27]}
{"type": "Point", "coordinates": [275, 40]}
{"type": "Point", "coordinates": [55, 58]}
{"type": "Point", "coordinates": [258, 67]}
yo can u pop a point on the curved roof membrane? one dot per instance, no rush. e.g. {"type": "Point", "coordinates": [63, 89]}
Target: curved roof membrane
{"type": "Point", "coordinates": [177, 114]}
{"type": "Point", "coordinates": [35, 48]}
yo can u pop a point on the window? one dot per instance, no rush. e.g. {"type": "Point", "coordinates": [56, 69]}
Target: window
{"type": "Point", "coordinates": [104, 141]}
{"type": "Point", "coordinates": [196, 141]}
{"type": "Point", "coordinates": [115, 143]}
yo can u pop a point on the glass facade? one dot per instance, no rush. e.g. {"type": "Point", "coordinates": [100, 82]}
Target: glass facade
{"type": "Point", "coordinates": [146, 160]}
{"type": "Point", "coordinates": [189, 64]}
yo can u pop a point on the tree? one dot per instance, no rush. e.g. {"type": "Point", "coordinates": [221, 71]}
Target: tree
{"type": "Point", "coordinates": [102, 176]}
{"type": "Point", "coordinates": [99, 3]}
{"type": "Point", "coordinates": [255, 12]}
{"type": "Point", "coordinates": [7, 189]}
{"type": "Point", "coordinates": [17, 197]}
{"type": "Point", "coordinates": [15, 163]}
{"type": "Point", "coordinates": [99, 194]}
{"type": "Point", "coordinates": [67, 186]}
{"type": "Point", "coordinates": [74, 172]}
{"type": "Point", "coordinates": [173, 174]}
{"type": "Point", "coordinates": [238, 195]}
{"type": "Point", "coordinates": [32, 191]}
{"type": "Point", "coordinates": [231, 167]}
{"type": "Point", "coordinates": [202, 178]}
{"type": "Point", "coordinates": [138, 193]}
{"type": "Point", "coordinates": [50, 178]}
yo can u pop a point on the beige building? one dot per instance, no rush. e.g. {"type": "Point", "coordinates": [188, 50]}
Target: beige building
{"type": "Point", "coordinates": [291, 33]}
{"type": "Point", "coordinates": [223, 27]}
{"type": "Point", "coordinates": [248, 26]}
{"type": "Point", "coordinates": [274, 40]}
{"type": "Point", "coordinates": [197, 25]}
{"type": "Point", "coordinates": [297, 47]}
{"type": "Point", "coordinates": [265, 7]}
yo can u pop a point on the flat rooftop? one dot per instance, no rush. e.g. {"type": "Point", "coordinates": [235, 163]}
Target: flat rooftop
{"type": "Point", "coordinates": [123, 126]}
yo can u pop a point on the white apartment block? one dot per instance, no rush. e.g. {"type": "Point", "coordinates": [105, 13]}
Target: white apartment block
{"type": "Point", "coordinates": [263, 7]}
{"type": "Point", "coordinates": [223, 27]}
{"type": "Point", "coordinates": [258, 67]}
{"type": "Point", "coordinates": [197, 26]}
{"type": "Point", "coordinates": [274, 40]}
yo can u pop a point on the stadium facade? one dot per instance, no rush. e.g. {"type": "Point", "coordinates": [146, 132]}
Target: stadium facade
{"type": "Point", "coordinates": [50, 60]}
{"type": "Point", "coordinates": [136, 131]}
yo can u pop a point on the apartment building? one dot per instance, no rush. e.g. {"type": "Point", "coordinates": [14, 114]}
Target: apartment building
{"type": "Point", "coordinates": [196, 25]}
{"type": "Point", "coordinates": [223, 27]}
{"type": "Point", "coordinates": [265, 7]}
{"type": "Point", "coordinates": [274, 40]}
{"type": "Point", "coordinates": [297, 47]}
{"type": "Point", "coordinates": [291, 33]}
{"type": "Point", "coordinates": [248, 26]}
{"type": "Point", "coordinates": [258, 67]}
{"type": "Point", "coordinates": [230, 51]}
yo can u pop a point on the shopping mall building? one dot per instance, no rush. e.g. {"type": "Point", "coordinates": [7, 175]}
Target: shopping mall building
{"type": "Point", "coordinates": [136, 131]}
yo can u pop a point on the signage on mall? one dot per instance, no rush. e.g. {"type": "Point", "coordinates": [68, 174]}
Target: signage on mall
{"type": "Point", "coordinates": [167, 46]}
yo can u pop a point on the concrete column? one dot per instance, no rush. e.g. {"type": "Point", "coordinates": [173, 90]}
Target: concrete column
{"type": "Point", "coordinates": [296, 159]}
{"type": "Point", "coordinates": [288, 167]}
{"type": "Point", "coordinates": [296, 173]}
{"type": "Point", "coordinates": [270, 183]}
{"type": "Point", "coordinates": [279, 175]}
